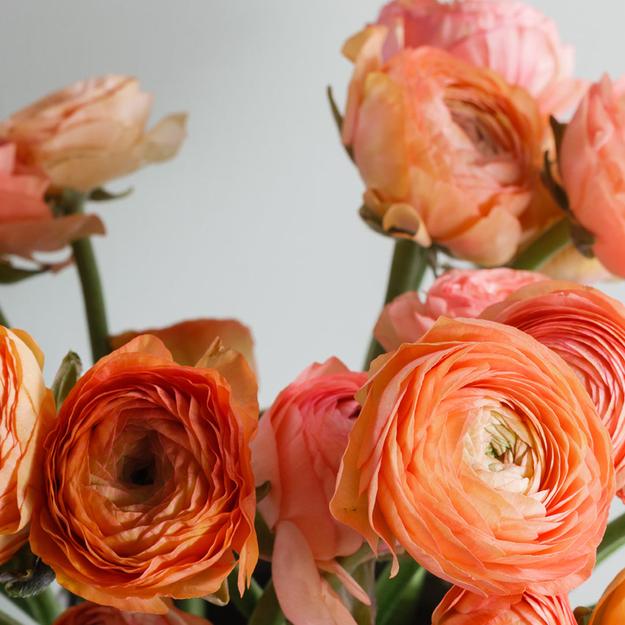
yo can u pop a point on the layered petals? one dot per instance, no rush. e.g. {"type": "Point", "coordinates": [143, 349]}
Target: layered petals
{"type": "Point", "coordinates": [92, 614]}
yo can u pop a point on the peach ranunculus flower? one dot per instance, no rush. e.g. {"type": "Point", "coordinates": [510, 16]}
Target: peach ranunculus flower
{"type": "Point", "coordinates": [592, 166]}
{"type": "Point", "coordinates": [480, 452]}
{"type": "Point", "coordinates": [569, 264]}
{"type": "Point", "coordinates": [26, 413]}
{"type": "Point", "coordinates": [449, 152]}
{"type": "Point", "coordinates": [611, 607]}
{"type": "Point", "coordinates": [92, 132]}
{"type": "Point", "coordinates": [457, 293]}
{"type": "Point", "coordinates": [512, 38]}
{"type": "Point", "coordinates": [587, 329]}
{"type": "Point", "coordinates": [27, 225]}
{"type": "Point", "coordinates": [151, 492]}
{"type": "Point", "coordinates": [300, 441]}
{"type": "Point", "coordinates": [460, 607]}
{"type": "Point", "coordinates": [88, 613]}
{"type": "Point", "coordinates": [188, 340]}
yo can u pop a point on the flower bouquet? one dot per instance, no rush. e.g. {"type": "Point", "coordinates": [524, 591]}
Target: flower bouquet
{"type": "Point", "coordinates": [463, 476]}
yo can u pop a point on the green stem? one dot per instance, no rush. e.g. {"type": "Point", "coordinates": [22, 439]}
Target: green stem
{"type": "Point", "coordinates": [247, 603]}
{"type": "Point", "coordinates": [267, 611]}
{"type": "Point", "coordinates": [397, 597]}
{"type": "Point", "coordinates": [3, 320]}
{"type": "Point", "coordinates": [44, 607]}
{"type": "Point", "coordinates": [192, 606]}
{"type": "Point", "coordinates": [408, 267]}
{"type": "Point", "coordinates": [93, 295]}
{"type": "Point", "coordinates": [613, 539]}
{"type": "Point", "coordinates": [541, 250]}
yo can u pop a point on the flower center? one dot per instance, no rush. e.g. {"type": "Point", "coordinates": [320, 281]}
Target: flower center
{"type": "Point", "coordinates": [501, 449]}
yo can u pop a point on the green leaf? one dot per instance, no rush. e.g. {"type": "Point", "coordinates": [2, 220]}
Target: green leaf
{"type": "Point", "coordinates": [10, 274]}
{"type": "Point", "coordinates": [66, 377]}
{"type": "Point", "coordinates": [558, 129]}
{"type": "Point", "coordinates": [267, 611]}
{"type": "Point", "coordinates": [102, 195]}
{"type": "Point", "coordinates": [265, 537]}
{"type": "Point", "coordinates": [613, 539]}
{"type": "Point", "coordinates": [10, 614]}
{"type": "Point", "coordinates": [398, 596]}
{"type": "Point", "coordinates": [338, 118]}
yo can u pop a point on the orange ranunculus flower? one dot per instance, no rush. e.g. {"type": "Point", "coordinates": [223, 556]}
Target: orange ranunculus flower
{"type": "Point", "coordinates": [188, 341]}
{"type": "Point", "coordinates": [480, 452]}
{"type": "Point", "coordinates": [592, 166]}
{"type": "Point", "coordinates": [26, 413]}
{"type": "Point", "coordinates": [26, 222]}
{"type": "Point", "coordinates": [92, 614]}
{"type": "Point", "coordinates": [457, 293]}
{"type": "Point", "coordinates": [151, 492]}
{"type": "Point", "coordinates": [460, 607]}
{"type": "Point", "coordinates": [93, 131]}
{"type": "Point", "coordinates": [300, 442]}
{"type": "Point", "coordinates": [449, 152]}
{"type": "Point", "coordinates": [611, 607]}
{"type": "Point", "coordinates": [587, 329]}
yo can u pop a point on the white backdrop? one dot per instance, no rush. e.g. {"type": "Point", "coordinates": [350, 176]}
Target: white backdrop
{"type": "Point", "coordinates": [256, 218]}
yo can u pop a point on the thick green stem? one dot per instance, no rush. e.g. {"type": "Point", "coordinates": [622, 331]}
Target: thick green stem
{"type": "Point", "coordinates": [408, 267]}
{"type": "Point", "coordinates": [541, 250]}
{"type": "Point", "coordinates": [93, 295]}
{"type": "Point", "coordinates": [192, 606]}
{"type": "Point", "coordinates": [399, 596]}
{"type": "Point", "coordinates": [613, 539]}
{"type": "Point", "coordinates": [3, 320]}
{"type": "Point", "coordinates": [267, 611]}
{"type": "Point", "coordinates": [44, 607]}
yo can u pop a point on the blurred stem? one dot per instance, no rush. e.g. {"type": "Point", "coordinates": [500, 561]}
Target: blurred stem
{"type": "Point", "coordinates": [44, 607]}
{"type": "Point", "coordinates": [93, 296]}
{"type": "Point", "coordinates": [3, 320]}
{"type": "Point", "coordinates": [613, 539]}
{"type": "Point", "coordinates": [192, 606]}
{"type": "Point", "coordinates": [541, 250]}
{"type": "Point", "coordinates": [247, 603]}
{"type": "Point", "coordinates": [267, 611]}
{"type": "Point", "coordinates": [409, 264]}
{"type": "Point", "coordinates": [398, 597]}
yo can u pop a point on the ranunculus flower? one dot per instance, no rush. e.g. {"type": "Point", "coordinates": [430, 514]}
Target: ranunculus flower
{"type": "Point", "coordinates": [592, 165]}
{"type": "Point", "coordinates": [188, 340]}
{"type": "Point", "coordinates": [150, 487]}
{"type": "Point", "coordinates": [569, 264]}
{"type": "Point", "coordinates": [93, 131]}
{"type": "Point", "coordinates": [300, 441]}
{"type": "Point", "coordinates": [611, 607]}
{"type": "Point", "coordinates": [587, 329]}
{"type": "Point", "coordinates": [88, 613]}
{"type": "Point", "coordinates": [457, 293]}
{"type": "Point", "coordinates": [26, 413]}
{"type": "Point", "coordinates": [26, 222]}
{"type": "Point", "coordinates": [509, 37]}
{"type": "Point", "coordinates": [448, 151]}
{"type": "Point", "coordinates": [460, 607]}
{"type": "Point", "coordinates": [480, 452]}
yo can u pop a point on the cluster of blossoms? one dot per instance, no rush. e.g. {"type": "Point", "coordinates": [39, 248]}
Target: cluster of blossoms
{"type": "Point", "coordinates": [486, 442]}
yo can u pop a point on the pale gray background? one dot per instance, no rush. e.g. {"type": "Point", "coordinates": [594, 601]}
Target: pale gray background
{"type": "Point", "coordinates": [256, 218]}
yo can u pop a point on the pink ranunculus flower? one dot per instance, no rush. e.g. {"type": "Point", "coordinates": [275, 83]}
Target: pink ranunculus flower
{"type": "Point", "coordinates": [592, 166]}
{"type": "Point", "coordinates": [298, 449]}
{"type": "Point", "coordinates": [27, 225]}
{"type": "Point", "coordinates": [457, 293]}
{"type": "Point", "coordinates": [512, 38]}
{"type": "Point", "coordinates": [461, 607]}
{"type": "Point", "coordinates": [92, 132]}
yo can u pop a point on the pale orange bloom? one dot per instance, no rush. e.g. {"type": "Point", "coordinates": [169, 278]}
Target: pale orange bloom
{"type": "Point", "coordinates": [150, 486]}
{"type": "Point", "coordinates": [569, 264]}
{"type": "Point", "coordinates": [92, 132]}
{"type": "Point", "coordinates": [611, 607]}
{"type": "Point", "coordinates": [26, 414]}
{"type": "Point", "coordinates": [449, 152]}
{"type": "Point", "coordinates": [300, 442]}
{"type": "Point", "coordinates": [92, 614]}
{"type": "Point", "coordinates": [480, 453]}
{"type": "Point", "coordinates": [587, 329]}
{"type": "Point", "coordinates": [460, 607]}
{"type": "Point", "coordinates": [188, 340]}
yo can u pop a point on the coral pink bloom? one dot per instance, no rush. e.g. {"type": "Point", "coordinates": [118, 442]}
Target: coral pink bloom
{"type": "Point", "coordinates": [92, 614]}
{"type": "Point", "coordinates": [300, 441]}
{"type": "Point", "coordinates": [460, 607]}
{"type": "Point", "coordinates": [592, 164]}
{"type": "Point", "coordinates": [480, 452]}
{"type": "Point", "coordinates": [587, 328]}
{"type": "Point", "coordinates": [449, 152]}
{"type": "Point", "coordinates": [509, 37]}
{"type": "Point", "coordinates": [26, 222]}
{"type": "Point", "coordinates": [457, 293]}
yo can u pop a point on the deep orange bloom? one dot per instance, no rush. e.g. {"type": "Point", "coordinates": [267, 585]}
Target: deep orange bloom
{"type": "Point", "coordinates": [480, 452]}
{"type": "Point", "coordinates": [92, 614]}
{"type": "Point", "coordinates": [611, 607]}
{"type": "Point", "coordinates": [150, 486]}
